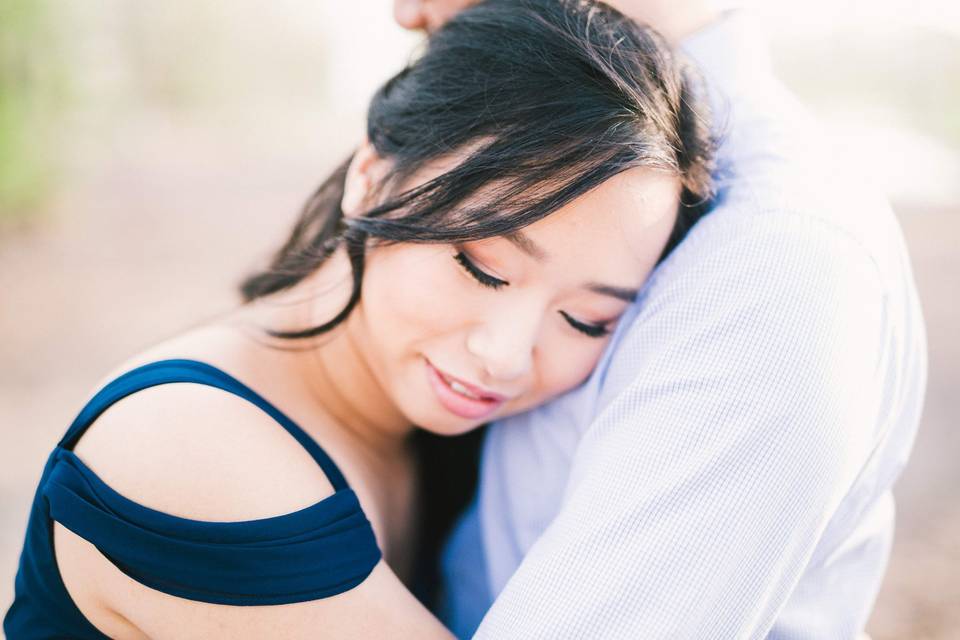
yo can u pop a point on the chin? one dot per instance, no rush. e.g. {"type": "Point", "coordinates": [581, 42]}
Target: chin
{"type": "Point", "coordinates": [448, 425]}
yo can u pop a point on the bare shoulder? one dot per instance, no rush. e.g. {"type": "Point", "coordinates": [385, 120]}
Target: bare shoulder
{"type": "Point", "coordinates": [198, 452]}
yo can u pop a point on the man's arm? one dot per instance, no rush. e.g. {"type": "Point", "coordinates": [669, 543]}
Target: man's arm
{"type": "Point", "coordinates": [736, 412]}
{"type": "Point", "coordinates": [699, 493]}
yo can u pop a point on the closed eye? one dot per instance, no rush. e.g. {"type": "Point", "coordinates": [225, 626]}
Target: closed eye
{"type": "Point", "coordinates": [592, 330]}
{"type": "Point", "coordinates": [487, 280]}
{"type": "Point", "coordinates": [479, 275]}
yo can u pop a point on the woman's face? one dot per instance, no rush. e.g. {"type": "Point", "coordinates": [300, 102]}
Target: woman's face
{"type": "Point", "coordinates": [461, 335]}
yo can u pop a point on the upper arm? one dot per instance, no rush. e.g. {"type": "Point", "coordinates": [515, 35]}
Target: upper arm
{"type": "Point", "coordinates": [736, 416]}
{"type": "Point", "coordinates": [199, 453]}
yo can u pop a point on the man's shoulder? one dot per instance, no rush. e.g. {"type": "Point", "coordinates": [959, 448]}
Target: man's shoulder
{"type": "Point", "coordinates": [806, 235]}
{"type": "Point", "coordinates": [769, 288]}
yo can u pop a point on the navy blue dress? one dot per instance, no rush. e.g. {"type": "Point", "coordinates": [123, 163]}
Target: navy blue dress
{"type": "Point", "coordinates": [316, 552]}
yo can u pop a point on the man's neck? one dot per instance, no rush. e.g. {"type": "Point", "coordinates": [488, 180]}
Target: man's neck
{"type": "Point", "coordinates": [673, 20]}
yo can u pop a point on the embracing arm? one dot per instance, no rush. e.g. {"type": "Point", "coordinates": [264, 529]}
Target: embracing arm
{"type": "Point", "coordinates": [738, 408]}
{"type": "Point", "coordinates": [197, 453]}
{"type": "Point", "coordinates": [743, 410]}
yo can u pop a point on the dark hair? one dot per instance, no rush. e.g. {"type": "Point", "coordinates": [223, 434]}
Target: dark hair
{"type": "Point", "coordinates": [546, 99]}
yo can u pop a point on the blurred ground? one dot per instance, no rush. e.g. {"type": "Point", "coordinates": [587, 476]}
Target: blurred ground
{"type": "Point", "coordinates": [174, 183]}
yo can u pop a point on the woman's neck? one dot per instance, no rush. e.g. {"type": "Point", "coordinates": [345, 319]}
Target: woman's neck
{"type": "Point", "coordinates": [340, 380]}
{"type": "Point", "coordinates": [332, 369]}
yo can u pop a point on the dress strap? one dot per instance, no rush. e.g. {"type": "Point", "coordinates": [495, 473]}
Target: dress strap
{"type": "Point", "coordinates": [180, 370]}
{"type": "Point", "coordinates": [317, 552]}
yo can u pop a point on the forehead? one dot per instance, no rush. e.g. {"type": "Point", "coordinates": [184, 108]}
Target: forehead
{"type": "Point", "coordinates": [615, 232]}
{"type": "Point", "coordinates": [617, 229]}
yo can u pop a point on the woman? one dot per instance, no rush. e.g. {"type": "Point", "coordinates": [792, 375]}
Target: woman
{"type": "Point", "coordinates": [518, 183]}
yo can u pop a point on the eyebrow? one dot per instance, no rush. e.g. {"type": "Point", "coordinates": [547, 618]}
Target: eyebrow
{"type": "Point", "coordinates": [535, 251]}
{"type": "Point", "coordinates": [528, 246]}
{"type": "Point", "coordinates": [620, 293]}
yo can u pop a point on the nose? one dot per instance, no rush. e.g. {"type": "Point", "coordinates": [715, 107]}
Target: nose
{"type": "Point", "coordinates": [410, 14]}
{"type": "Point", "coordinates": [504, 346]}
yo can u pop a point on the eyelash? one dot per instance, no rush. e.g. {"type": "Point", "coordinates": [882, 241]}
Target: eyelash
{"type": "Point", "coordinates": [592, 330]}
{"type": "Point", "coordinates": [485, 279]}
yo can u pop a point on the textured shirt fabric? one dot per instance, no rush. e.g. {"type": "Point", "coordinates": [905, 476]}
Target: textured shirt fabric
{"type": "Point", "coordinates": [726, 470]}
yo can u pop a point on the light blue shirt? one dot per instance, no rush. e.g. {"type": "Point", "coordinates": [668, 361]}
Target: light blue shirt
{"type": "Point", "coordinates": [726, 470]}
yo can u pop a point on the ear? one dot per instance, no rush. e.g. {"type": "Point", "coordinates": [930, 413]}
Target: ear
{"type": "Point", "coordinates": [367, 169]}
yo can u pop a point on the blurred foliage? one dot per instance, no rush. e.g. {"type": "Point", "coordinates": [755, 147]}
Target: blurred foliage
{"type": "Point", "coordinates": [30, 89]}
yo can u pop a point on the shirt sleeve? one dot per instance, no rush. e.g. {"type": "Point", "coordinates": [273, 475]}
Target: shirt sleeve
{"type": "Point", "coordinates": [736, 413]}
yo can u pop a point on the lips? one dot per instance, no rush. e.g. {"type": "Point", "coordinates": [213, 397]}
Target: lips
{"type": "Point", "coordinates": [469, 389]}
{"type": "Point", "coordinates": [460, 397]}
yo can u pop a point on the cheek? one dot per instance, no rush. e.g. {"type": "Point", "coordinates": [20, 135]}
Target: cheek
{"type": "Point", "coordinates": [562, 367]}
{"type": "Point", "coordinates": [412, 295]}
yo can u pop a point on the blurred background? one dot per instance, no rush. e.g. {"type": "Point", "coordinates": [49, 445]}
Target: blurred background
{"type": "Point", "coordinates": [152, 152]}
